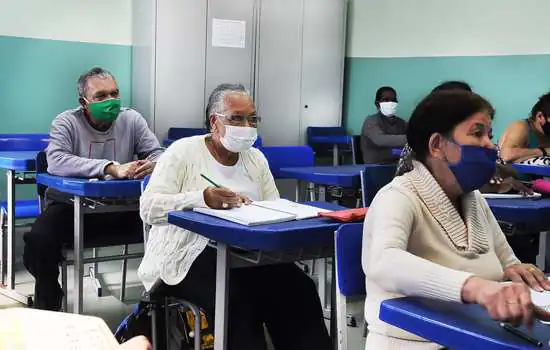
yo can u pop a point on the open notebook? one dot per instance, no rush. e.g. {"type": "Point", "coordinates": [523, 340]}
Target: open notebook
{"type": "Point", "coordinates": [265, 212]}
{"type": "Point", "coordinates": [22, 328]}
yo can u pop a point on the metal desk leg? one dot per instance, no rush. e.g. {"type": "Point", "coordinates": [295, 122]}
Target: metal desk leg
{"type": "Point", "coordinates": [78, 254]}
{"type": "Point", "coordinates": [333, 326]}
{"type": "Point", "coordinates": [8, 260]}
{"type": "Point", "coordinates": [322, 193]}
{"type": "Point", "coordinates": [321, 268]}
{"type": "Point", "coordinates": [541, 257]}
{"type": "Point", "coordinates": [222, 293]}
{"type": "Point", "coordinates": [11, 229]}
{"type": "Point", "coordinates": [335, 159]}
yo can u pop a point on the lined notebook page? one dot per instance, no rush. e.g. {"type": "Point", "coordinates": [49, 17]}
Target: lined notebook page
{"type": "Point", "coordinates": [301, 211]}
{"type": "Point", "coordinates": [249, 215]}
{"type": "Point", "coordinates": [541, 299]}
{"type": "Point", "coordinates": [22, 329]}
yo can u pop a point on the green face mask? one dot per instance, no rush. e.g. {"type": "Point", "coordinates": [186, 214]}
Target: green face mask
{"type": "Point", "coordinates": [105, 111]}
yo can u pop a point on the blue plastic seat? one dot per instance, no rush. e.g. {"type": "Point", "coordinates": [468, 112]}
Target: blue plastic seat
{"type": "Point", "coordinates": [287, 157]}
{"type": "Point", "coordinates": [179, 133]}
{"type": "Point", "coordinates": [350, 279]}
{"type": "Point", "coordinates": [24, 209]}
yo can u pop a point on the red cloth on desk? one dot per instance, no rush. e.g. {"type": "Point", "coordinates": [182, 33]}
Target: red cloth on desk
{"type": "Point", "coordinates": [348, 215]}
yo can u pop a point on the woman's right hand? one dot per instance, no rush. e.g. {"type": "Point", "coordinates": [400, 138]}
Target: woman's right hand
{"type": "Point", "coordinates": [222, 198]}
{"type": "Point", "coordinates": [506, 302]}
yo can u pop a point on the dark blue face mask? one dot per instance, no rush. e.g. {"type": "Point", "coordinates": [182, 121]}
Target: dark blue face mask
{"type": "Point", "coordinates": [476, 167]}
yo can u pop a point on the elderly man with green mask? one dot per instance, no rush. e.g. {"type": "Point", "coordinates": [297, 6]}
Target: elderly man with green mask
{"type": "Point", "coordinates": [96, 140]}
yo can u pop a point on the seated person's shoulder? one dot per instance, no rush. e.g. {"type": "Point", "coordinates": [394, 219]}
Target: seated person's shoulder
{"type": "Point", "coordinates": [68, 117]}
{"type": "Point", "coordinates": [399, 194]}
{"type": "Point", "coordinates": [130, 114]}
{"type": "Point", "coordinates": [518, 127]}
{"type": "Point", "coordinates": [517, 131]}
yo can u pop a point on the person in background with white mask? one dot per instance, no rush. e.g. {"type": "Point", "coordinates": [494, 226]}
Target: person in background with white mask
{"type": "Point", "coordinates": [279, 296]}
{"type": "Point", "coordinates": [383, 131]}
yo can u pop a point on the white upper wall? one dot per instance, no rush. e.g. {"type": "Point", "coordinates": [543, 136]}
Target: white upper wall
{"type": "Point", "coordinates": [423, 28]}
{"type": "Point", "coordinates": [98, 21]}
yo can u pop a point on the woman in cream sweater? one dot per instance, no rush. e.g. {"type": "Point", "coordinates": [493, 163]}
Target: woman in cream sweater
{"type": "Point", "coordinates": [280, 297]}
{"type": "Point", "coordinates": [430, 232]}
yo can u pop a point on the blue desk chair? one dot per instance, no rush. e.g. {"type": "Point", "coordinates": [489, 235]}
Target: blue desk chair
{"type": "Point", "coordinates": [290, 156]}
{"type": "Point", "coordinates": [24, 210]}
{"type": "Point", "coordinates": [91, 241]}
{"type": "Point", "coordinates": [180, 133]}
{"type": "Point", "coordinates": [160, 304]}
{"type": "Point", "coordinates": [373, 178]}
{"type": "Point", "coordinates": [350, 279]}
{"type": "Point", "coordinates": [315, 133]}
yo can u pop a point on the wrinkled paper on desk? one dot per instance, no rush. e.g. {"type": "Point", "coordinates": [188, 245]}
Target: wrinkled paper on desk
{"type": "Point", "coordinates": [30, 329]}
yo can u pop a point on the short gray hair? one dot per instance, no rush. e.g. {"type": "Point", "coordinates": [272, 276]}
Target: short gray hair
{"type": "Point", "coordinates": [216, 101]}
{"type": "Point", "coordinates": [82, 83]}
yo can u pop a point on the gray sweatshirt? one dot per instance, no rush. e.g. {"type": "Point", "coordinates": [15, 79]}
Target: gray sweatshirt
{"type": "Point", "coordinates": [380, 135]}
{"type": "Point", "coordinates": [77, 149]}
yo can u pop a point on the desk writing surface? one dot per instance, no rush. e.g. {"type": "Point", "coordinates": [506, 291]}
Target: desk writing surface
{"type": "Point", "coordinates": [18, 160]}
{"type": "Point", "coordinates": [87, 188]}
{"type": "Point", "coordinates": [454, 325]}
{"type": "Point", "coordinates": [347, 176]}
{"type": "Point", "coordinates": [331, 139]}
{"type": "Point", "coordinates": [540, 170]}
{"type": "Point", "coordinates": [272, 237]}
{"type": "Point", "coordinates": [20, 145]}
{"type": "Point", "coordinates": [534, 212]}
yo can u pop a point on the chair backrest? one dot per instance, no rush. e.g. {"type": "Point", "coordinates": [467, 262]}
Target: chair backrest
{"type": "Point", "coordinates": [348, 247]}
{"type": "Point", "coordinates": [373, 178]}
{"type": "Point", "coordinates": [325, 131]}
{"type": "Point", "coordinates": [259, 142]}
{"type": "Point", "coordinates": [42, 137]}
{"type": "Point", "coordinates": [146, 228]}
{"type": "Point", "coordinates": [287, 156]}
{"type": "Point", "coordinates": [358, 153]}
{"type": "Point", "coordinates": [41, 167]}
{"type": "Point", "coordinates": [179, 133]}
{"type": "Point", "coordinates": [21, 145]}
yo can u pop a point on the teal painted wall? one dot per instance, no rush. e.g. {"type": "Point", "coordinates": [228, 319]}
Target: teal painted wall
{"type": "Point", "coordinates": [511, 83]}
{"type": "Point", "coordinates": [39, 80]}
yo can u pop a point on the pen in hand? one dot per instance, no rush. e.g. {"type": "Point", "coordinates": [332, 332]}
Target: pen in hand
{"type": "Point", "coordinates": [521, 334]}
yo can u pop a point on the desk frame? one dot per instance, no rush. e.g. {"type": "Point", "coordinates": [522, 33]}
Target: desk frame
{"type": "Point", "coordinates": [81, 207]}
{"type": "Point", "coordinates": [7, 265]}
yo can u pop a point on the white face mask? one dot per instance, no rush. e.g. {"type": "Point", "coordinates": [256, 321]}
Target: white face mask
{"type": "Point", "coordinates": [238, 139]}
{"type": "Point", "coordinates": [388, 108]}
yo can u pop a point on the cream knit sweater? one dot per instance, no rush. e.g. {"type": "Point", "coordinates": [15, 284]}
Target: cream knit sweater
{"type": "Point", "coordinates": [415, 243]}
{"type": "Point", "coordinates": [176, 184]}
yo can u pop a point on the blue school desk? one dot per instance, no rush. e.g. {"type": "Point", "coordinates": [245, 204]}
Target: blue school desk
{"type": "Point", "coordinates": [281, 237]}
{"type": "Point", "coordinates": [396, 151]}
{"type": "Point", "coordinates": [540, 170]}
{"type": "Point", "coordinates": [456, 326]}
{"type": "Point", "coordinates": [14, 163]}
{"type": "Point", "coordinates": [345, 176]}
{"type": "Point", "coordinates": [532, 212]}
{"type": "Point", "coordinates": [89, 197]}
{"type": "Point", "coordinates": [332, 140]}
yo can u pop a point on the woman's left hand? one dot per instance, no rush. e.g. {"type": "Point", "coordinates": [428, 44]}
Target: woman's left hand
{"type": "Point", "coordinates": [528, 274]}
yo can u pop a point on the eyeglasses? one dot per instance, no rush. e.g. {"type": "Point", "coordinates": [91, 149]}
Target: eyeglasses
{"type": "Point", "coordinates": [241, 120]}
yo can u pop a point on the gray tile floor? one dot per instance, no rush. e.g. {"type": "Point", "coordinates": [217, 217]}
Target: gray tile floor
{"type": "Point", "coordinates": [113, 311]}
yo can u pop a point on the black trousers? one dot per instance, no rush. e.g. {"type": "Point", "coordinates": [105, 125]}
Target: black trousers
{"type": "Point", "coordinates": [279, 296]}
{"type": "Point", "coordinates": [53, 230]}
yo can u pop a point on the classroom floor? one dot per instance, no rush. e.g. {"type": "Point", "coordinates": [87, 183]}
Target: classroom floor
{"type": "Point", "coordinates": [113, 311]}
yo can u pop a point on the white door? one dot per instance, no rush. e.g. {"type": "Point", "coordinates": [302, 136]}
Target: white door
{"type": "Point", "coordinates": [324, 35]}
{"type": "Point", "coordinates": [229, 60]}
{"type": "Point", "coordinates": [278, 76]}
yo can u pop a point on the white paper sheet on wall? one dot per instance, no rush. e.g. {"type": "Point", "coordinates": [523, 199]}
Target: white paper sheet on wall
{"type": "Point", "coordinates": [228, 33]}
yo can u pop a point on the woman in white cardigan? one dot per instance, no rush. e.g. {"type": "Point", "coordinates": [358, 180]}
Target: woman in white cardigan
{"type": "Point", "coordinates": [430, 232]}
{"type": "Point", "coordinates": [280, 297]}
